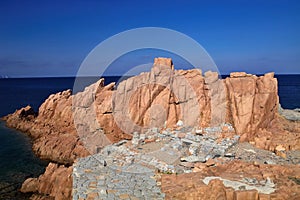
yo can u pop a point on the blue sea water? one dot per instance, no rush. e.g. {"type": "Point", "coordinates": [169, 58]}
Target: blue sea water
{"type": "Point", "coordinates": [289, 91]}
{"type": "Point", "coordinates": [17, 162]}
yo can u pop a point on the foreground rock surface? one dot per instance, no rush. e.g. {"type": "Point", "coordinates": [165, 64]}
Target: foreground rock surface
{"type": "Point", "coordinates": [191, 186]}
{"type": "Point", "coordinates": [127, 170]}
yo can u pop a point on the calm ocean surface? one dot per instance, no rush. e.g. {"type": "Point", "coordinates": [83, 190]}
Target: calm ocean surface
{"type": "Point", "coordinates": [17, 162]}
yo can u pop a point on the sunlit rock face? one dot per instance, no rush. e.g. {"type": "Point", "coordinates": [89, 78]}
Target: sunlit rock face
{"type": "Point", "coordinates": [69, 126]}
{"type": "Point", "coordinates": [160, 98]}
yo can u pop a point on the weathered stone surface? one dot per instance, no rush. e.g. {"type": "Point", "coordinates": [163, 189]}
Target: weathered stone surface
{"type": "Point", "coordinates": [167, 62]}
{"type": "Point", "coordinates": [55, 182]}
{"type": "Point", "coordinates": [281, 132]}
{"type": "Point", "coordinates": [253, 103]}
{"type": "Point", "coordinates": [27, 113]}
{"type": "Point", "coordinates": [191, 186]}
{"type": "Point", "coordinates": [237, 185]}
{"type": "Point", "coordinates": [69, 126]}
{"type": "Point", "coordinates": [160, 98]}
{"type": "Point", "coordinates": [52, 130]}
{"type": "Point", "coordinates": [117, 179]}
{"type": "Point", "coordinates": [221, 177]}
{"type": "Point", "coordinates": [29, 185]}
{"type": "Point", "coordinates": [238, 74]}
{"type": "Point", "coordinates": [293, 115]}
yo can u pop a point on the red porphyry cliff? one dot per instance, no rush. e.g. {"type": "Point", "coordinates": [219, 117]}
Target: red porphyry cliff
{"type": "Point", "coordinates": [70, 126]}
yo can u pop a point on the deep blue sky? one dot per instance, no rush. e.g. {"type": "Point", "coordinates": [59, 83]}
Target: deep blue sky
{"type": "Point", "coordinates": [39, 38]}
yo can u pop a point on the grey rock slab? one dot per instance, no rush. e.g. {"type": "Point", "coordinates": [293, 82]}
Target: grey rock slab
{"type": "Point", "coordinates": [236, 185]}
{"type": "Point", "coordinates": [187, 141]}
{"type": "Point", "coordinates": [293, 115]}
{"type": "Point", "coordinates": [193, 159]}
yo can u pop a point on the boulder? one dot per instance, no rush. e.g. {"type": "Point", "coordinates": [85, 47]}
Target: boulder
{"type": "Point", "coordinates": [167, 62]}
{"type": "Point", "coordinates": [30, 185]}
{"type": "Point", "coordinates": [56, 182]}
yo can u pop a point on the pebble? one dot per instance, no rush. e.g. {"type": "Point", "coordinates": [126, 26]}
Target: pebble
{"type": "Point", "coordinates": [198, 132]}
{"type": "Point", "coordinates": [193, 149]}
{"type": "Point", "coordinates": [179, 123]}
{"type": "Point", "coordinates": [193, 159]}
{"type": "Point", "coordinates": [269, 162]}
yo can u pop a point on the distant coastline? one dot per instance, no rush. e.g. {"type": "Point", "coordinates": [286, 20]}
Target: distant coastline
{"type": "Point", "coordinates": [118, 75]}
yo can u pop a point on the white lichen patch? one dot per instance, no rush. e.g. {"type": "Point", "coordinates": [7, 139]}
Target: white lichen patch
{"type": "Point", "coordinates": [267, 187]}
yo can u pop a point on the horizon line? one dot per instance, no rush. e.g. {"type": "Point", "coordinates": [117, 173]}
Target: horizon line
{"type": "Point", "coordinates": [116, 75]}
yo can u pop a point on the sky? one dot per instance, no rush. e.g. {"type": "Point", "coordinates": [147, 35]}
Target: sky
{"type": "Point", "coordinates": [52, 38]}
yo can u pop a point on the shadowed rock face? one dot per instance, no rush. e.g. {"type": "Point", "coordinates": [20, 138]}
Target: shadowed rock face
{"type": "Point", "coordinates": [56, 182]}
{"type": "Point", "coordinates": [70, 126]}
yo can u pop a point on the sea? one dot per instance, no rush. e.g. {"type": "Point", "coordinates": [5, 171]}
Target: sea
{"type": "Point", "coordinates": [17, 161]}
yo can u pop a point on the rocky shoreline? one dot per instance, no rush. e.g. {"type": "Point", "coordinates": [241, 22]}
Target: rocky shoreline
{"type": "Point", "coordinates": [192, 136]}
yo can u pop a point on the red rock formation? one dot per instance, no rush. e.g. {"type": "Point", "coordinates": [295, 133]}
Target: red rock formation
{"type": "Point", "coordinates": [252, 101]}
{"type": "Point", "coordinates": [159, 98]}
{"type": "Point", "coordinates": [281, 133]}
{"type": "Point", "coordinates": [56, 182]}
{"type": "Point", "coordinates": [53, 130]}
{"type": "Point", "coordinates": [71, 126]}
